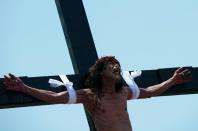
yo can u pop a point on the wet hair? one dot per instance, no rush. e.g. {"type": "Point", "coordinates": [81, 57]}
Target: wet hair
{"type": "Point", "coordinates": [94, 78]}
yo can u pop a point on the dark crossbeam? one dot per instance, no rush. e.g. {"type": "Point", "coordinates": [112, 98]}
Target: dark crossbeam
{"type": "Point", "coordinates": [149, 77]}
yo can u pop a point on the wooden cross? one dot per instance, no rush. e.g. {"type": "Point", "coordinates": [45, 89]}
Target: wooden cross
{"type": "Point", "coordinates": [83, 54]}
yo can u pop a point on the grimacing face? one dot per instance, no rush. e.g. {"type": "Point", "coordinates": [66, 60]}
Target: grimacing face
{"type": "Point", "coordinates": [112, 71]}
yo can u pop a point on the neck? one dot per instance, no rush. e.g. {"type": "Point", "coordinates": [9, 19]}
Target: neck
{"type": "Point", "coordinates": [108, 86]}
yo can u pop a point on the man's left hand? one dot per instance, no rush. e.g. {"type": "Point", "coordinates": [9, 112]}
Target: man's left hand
{"type": "Point", "coordinates": [181, 76]}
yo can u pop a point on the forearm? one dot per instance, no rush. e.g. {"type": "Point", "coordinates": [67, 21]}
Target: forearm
{"type": "Point", "coordinates": [160, 88]}
{"type": "Point", "coordinates": [14, 83]}
{"type": "Point", "coordinates": [44, 95]}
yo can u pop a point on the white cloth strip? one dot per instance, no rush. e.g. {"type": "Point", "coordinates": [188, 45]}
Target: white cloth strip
{"type": "Point", "coordinates": [68, 85]}
{"type": "Point", "coordinates": [131, 83]}
{"type": "Point", "coordinates": [55, 83]}
{"type": "Point", "coordinates": [70, 89]}
{"type": "Point", "coordinates": [136, 73]}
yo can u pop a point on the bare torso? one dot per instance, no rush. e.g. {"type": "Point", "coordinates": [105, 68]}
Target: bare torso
{"type": "Point", "coordinates": [111, 113]}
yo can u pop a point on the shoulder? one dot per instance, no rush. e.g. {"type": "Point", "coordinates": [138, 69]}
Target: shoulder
{"type": "Point", "coordinates": [85, 95]}
{"type": "Point", "coordinates": [128, 92]}
{"type": "Point", "coordinates": [86, 91]}
{"type": "Point", "coordinates": [87, 98]}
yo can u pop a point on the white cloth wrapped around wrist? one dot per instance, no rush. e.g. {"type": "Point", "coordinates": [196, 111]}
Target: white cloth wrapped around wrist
{"type": "Point", "coordinates": [68, 85]}
{"type": "Point", "coordinates": [129, 79]}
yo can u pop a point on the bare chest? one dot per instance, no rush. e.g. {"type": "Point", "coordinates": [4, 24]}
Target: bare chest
{"type": "Point", "coordinates": [111, 113]}
{"type": "Point", "coordinates": [111, 106]}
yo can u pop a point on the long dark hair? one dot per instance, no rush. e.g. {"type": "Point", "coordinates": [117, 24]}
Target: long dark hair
{"type": "Point", "coordinates": [94, 78]}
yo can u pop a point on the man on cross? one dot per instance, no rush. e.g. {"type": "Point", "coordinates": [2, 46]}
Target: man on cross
{"type": "Point", "coordinates": [105, 95]}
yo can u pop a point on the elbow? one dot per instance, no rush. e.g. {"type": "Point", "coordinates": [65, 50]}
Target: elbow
{"type": "Point", "coordinates": [153, 93]}
{"type": "Point", "coordinates": [149, 93]}
{"type": "Point", "coordinates": [52, 99]}
{"type": "Point", "coordinates": [145, 93]}
{"type": "Point", "coordinates": [59, 98]}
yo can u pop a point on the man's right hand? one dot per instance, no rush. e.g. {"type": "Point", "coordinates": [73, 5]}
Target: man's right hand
{"type": "Point", "coordinates": [14, 83]}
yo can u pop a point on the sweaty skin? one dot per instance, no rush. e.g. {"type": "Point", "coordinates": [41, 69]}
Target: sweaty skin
{"type": "Point", "coordinates": [111, 113]}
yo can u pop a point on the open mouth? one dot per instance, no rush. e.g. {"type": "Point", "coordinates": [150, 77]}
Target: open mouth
{"type": "Point", "coordinates": [116, 71]}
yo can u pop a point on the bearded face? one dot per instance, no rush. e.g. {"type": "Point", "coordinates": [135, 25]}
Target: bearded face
{"type": "Point", "coordinates": [111, 72]}
{"type": "Point", "coordinates": [106, 70]}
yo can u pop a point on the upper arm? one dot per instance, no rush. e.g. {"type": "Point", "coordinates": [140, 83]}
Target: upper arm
{"type": "Point", "coordinates": [62, 97]}
{"type": "Point", "coordinates": [129, 93]}
{"type": "Point", "coordinates": [82, 96]}
{"type": "Point", "coordinates": [133, 92]}
{"type": "Point", "coordinates": [144, 93]}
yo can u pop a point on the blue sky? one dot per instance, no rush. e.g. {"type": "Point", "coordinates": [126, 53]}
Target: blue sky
{"type": "Point", "coordinates": [141, 34]}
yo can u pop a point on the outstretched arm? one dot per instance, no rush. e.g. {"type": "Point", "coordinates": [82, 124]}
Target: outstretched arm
{"type": "Point", "coordinates": [14, 83]}
{"type": "Point", "coordinates": [180, 76]}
